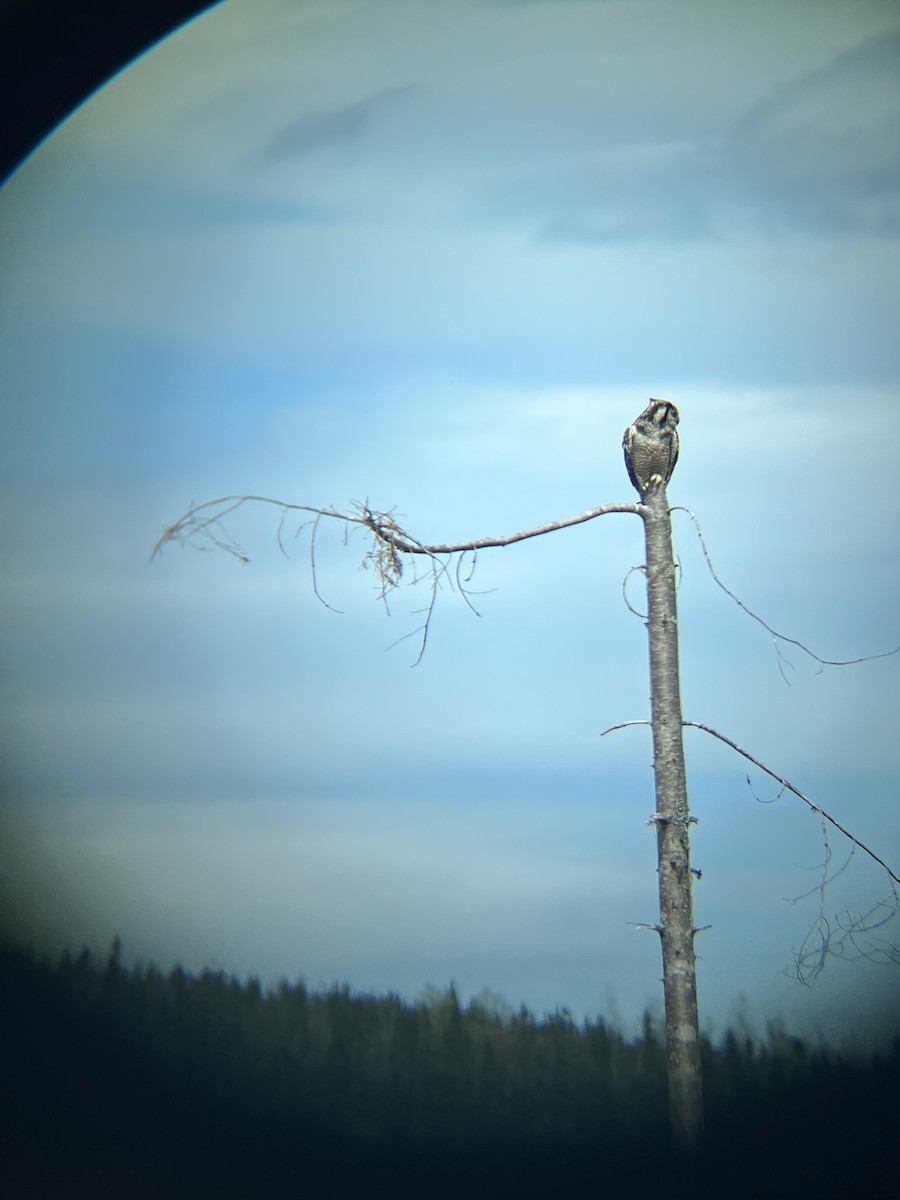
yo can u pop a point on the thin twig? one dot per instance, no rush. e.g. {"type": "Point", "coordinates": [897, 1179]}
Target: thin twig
{"type": "Point", "coordinates": [631, 571]}
{"type": "Point", "coordinates": [622, 725]}
{"type": "Point", "coordinates": [312, 565]}
{"type": "Point", "coordinates": [825, 662]}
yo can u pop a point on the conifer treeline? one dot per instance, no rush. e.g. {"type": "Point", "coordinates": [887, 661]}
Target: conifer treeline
{"type": "Point", "coordinates": [137, 1083]}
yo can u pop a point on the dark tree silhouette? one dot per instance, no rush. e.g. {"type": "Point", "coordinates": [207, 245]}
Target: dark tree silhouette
{"type": "Point", "coordinates": [136, 1083]}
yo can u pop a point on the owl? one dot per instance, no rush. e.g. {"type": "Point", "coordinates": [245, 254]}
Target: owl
{"type": "Point", "coordinates": [651, 446]}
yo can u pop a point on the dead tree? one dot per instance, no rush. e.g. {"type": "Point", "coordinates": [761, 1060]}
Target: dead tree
{"type": "Point", "coordinates": [651, 451]}
{"type": "Point", "coordinates": [672, 821]}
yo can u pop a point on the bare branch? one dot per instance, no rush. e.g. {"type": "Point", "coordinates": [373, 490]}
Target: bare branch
{"type": "Point", "coordinates": [281, 521]}
{"type": "Point", "coordinates": [785, 783]}
{"type": "Point", "coordinates": [312, 560]}
{"type": "Point", "coordinates": [461, 582]}
{"type": "Point", "coordinates": [780, 637]}
{"type": "Point", "coordinates": [191, 524]}
{"type": "Point", "coordinates": [642, 570]}
{"type": "Point", "coordinates": [841, 936]}
{"type": "Point", "coordinates": [510, 538]}
{"type": "Point", "coordinates": [202, 523]}
{"type": "Point", "coordinates": [382, 524]}
{"type": "Point", "coordinates": [438, 569]}
{"type": "Point", "coordinates": [846, 936]}
{"type": "Point", "coordinates": [622, 725]}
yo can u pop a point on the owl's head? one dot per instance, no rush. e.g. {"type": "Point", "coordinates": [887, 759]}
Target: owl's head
{"type": "Point", "coordinates": [661, 413]}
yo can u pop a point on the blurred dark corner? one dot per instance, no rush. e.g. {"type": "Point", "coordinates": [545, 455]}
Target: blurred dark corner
{"type": "Point", "coordinates": [55, 53]}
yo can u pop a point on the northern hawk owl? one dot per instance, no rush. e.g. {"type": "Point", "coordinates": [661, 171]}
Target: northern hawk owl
{"type": "Point", "coordinates": [651, 446]}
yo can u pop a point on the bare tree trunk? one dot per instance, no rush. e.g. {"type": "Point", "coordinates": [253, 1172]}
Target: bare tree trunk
{"type": "Point", "coordinates": [676, 921]}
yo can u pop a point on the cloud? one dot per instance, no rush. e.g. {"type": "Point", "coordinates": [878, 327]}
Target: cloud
{"type": "Point", "coordinates": [824, 153]}
{"type": "Point", "coordinates": [342, 126]}
{"type": "Point", "coordinates": [820, 154]}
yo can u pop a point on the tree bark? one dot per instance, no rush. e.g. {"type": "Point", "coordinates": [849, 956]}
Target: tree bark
{"type": "Point", "coordinates": [672, 819]}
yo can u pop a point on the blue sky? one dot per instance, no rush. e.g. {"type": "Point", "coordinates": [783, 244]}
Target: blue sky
{"type": "Point", "coordinates": [437, 257]}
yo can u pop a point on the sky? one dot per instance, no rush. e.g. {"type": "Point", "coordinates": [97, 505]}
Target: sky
{"type": "Point", "coordinates": [436, 258]}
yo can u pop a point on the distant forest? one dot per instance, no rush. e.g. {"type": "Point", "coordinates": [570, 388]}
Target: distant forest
{"type": "Point", "coordinates": [134, 1083]}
